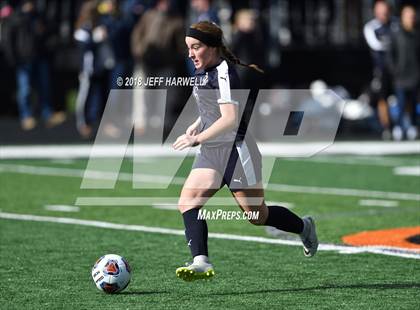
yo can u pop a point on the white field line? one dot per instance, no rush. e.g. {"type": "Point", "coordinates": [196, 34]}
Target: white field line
{"type": "Point", "coordinates": [391, 251]}
{"type": "Point", "coordinates": [166, 203]}
{"type": "Point", "coordinates": [165, 206]}
{"type": "Point", "coordinates": [162, 202]}
{"type": "Point", "coordinates": [79, 173]}
{"type": "Point", "coordinates": [62, 208]}
{"type": "Point", "coordinates": [288, 205]}
{"type": "Point", "coordinates": [173, 205]}
{"type": "Point", "coordinates": [159, 179]}
{"type": "Point", "coordinates": [63, 161]}
{"type": "Point", "coordinates": [411, 171]}
{"type": "Point", "coordinates": [157, 150]}
{"type": "Point", "coordinates": [342, 192]}
{"type": "Point", "coordinates": [358, 161]}
{"type": "Point", "coordinates": [378, 203]}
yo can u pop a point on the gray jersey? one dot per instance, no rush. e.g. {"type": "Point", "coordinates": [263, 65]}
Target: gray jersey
{"type": "Point", "coordinates": [215, 84]}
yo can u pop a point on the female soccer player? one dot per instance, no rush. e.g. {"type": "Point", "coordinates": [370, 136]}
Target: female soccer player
{"type": "Point", "coordinates": [227, 154]}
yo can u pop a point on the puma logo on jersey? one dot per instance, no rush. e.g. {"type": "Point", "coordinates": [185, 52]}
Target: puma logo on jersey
{"type": "Point", "coordinates": [238, 180]}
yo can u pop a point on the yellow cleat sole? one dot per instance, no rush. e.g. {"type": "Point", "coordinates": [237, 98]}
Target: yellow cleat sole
{"type": "Point", "coordinates": [190, 275]}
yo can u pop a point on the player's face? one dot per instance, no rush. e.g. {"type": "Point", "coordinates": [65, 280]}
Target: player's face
{"type": "Point", "coordinates": [201, 55]}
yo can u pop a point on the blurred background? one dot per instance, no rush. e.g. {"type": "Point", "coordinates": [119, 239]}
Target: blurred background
{"type": "Point", "coordinates": [60, 59]}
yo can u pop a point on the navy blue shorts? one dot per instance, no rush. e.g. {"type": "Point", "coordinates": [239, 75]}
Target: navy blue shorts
{"type": "Point", "coordinates": [240, 164]}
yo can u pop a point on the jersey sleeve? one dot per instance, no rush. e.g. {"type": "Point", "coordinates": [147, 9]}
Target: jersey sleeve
{"type": "Point", "coordinates": [225, 81]}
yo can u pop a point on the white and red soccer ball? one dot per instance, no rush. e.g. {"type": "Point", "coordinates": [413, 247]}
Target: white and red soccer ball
{"type": "Point", "coordinates": [111, 273]}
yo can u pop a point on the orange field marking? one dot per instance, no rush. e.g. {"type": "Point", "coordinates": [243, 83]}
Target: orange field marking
{"type": "Point", "coordinates": [389, 237]}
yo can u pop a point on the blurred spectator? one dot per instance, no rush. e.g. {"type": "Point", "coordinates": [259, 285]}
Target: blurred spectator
{"type": "Point", "coordinates": [377, 33]}
{"type": "Point", "coordinates": [247, 33]}
{"type": "Point", "coordinates": [119, 21]}
{"type": "Point", "coordinates": [158, 39]}
{"type": "Point", "coordinates": [158, 47]}
{"type": "Point", "coordinates": [405, 67]}
{"type": "Point", "coordinates": [203, 10]}
{"type": "Point", "coordinates": [200, 10]}
{"type": "Point", "coordinates": [6, 11]}
{"type": "Point", "coordinates": [26, 36]}
{"type": "Point", "coordinates": [97, 61]}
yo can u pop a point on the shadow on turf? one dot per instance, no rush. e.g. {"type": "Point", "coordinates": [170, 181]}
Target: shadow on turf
{"type": "Point", "coordinates": [378, 286]}
{"type": "Point", "coordinates": [143, 292]}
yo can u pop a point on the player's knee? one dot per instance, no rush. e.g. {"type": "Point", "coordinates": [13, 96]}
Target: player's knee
{"type": "Point", "coordinates": [257, 221]}
{"type": "Point", "coordinates": [193, 200]}
{"type": "Point", "coordinates": [183, 209]}
{"type": "Point", "coordinates": [187, 205]}
{"type": "Point", "coordinates": [258, 217]}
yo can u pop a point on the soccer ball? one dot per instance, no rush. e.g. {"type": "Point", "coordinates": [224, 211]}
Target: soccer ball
{"type": "Point", "coordinates": [111, 273]}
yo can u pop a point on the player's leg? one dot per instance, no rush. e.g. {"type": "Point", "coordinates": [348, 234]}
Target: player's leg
{"type": "Point", "coordinates": [411, 131]}
{"type": "Point", "coordinates": [244, 178]}
{"type": "Point", "coordinates": [383, 114]}
{"type": "Point", "coordinates": [201, 184]}
{"type": "Point", "coordinates": [23, 82]}
{"type": "Point", "coordinates": [397, 131]}
{"type": "Point", "coordinates": [384, 91]}
{"type": "Point", "coordinates": [252, 200]}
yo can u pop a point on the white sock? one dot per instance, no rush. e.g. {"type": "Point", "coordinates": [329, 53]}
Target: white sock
{"type": "Point", "coordinates": [201, 259]}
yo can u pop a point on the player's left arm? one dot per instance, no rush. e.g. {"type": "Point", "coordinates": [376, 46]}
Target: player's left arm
{"type": "Point", "coordinates": [228, 107]}
{"type": "Point", "coordinates": [228, 111]}
{"type": "Point", "coordinates": [226, 122]}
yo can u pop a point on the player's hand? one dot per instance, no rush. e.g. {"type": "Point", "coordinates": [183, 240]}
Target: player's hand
{"type": "Point", "coordinates": [185, 141]}
{"type": "Point", "coordinates": [191, 130]}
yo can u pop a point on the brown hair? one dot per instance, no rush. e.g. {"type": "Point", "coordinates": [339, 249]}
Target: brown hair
{"type": "Point", "coordinates": [213, 29]}
{"type": "Point", "coordinates": [88, 14]}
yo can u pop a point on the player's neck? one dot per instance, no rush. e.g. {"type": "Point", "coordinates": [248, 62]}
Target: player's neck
{"type": "Point", "coordinates": [214, 62]}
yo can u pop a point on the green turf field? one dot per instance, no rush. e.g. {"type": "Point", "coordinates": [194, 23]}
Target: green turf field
{"type": "Point", "coordinates": [47, 265]}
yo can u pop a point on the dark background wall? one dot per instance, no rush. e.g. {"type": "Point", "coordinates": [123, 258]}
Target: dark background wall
{"type": "Point", "coordinates": [306, 40]}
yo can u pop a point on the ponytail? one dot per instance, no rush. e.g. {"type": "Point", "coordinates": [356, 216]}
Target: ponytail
{"type": "Point", "coordinates": [212, 35]}
{"type": "Point", "coordinates": [227, 54]}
